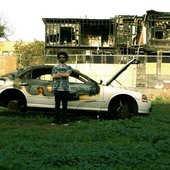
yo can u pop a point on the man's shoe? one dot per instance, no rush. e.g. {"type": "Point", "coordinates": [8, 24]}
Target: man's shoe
{"type": "Point", "coordinates": [65, 124]}
{"type": "Point", "coordinates": [54, 123]}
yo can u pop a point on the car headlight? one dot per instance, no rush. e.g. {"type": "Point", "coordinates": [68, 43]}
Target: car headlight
{"type": "Point", "coordinates": [2, 82]}
{"type": "Point", "coordinates": [144, 98]}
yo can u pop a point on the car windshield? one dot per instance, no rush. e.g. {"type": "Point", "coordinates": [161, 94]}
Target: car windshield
{"type": "Point", "coordinates": [14, 74]}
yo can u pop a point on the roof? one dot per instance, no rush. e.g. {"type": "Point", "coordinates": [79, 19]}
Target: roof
{"type": "Point", "coordinates": [76, 20]}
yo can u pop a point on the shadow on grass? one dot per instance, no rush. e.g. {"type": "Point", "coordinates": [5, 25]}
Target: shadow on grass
{"type": "Point", "coordinates": [76, 115]}
{"type": "Point", "coordinates": [48, 115]}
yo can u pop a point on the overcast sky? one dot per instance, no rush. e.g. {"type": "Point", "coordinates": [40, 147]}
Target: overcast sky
{"type": "Point", "coordinates": [24, 17]}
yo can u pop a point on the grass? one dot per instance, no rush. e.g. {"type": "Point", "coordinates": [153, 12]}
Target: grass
{"type": "Point", "coordinates": [30, 142]}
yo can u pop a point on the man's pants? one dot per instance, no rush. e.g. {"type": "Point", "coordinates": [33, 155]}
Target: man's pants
{"type": "Point", "coordinates": [61, 97]}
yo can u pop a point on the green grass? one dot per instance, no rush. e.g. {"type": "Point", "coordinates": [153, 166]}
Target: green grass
{"type": "Point", "coordinates": [30, 142]}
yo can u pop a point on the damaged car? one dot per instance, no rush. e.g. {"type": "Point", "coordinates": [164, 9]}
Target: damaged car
{"type": "Point", "coordinates": [31, 88]}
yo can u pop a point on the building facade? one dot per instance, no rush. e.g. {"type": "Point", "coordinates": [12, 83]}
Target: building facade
{"type": "Point", "coordinates": [121, 35]}
{"type": "Point", "coordinates": [8, 61]}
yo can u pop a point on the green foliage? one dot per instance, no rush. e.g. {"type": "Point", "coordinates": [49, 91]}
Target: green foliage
{"type": "Point", "coordinates": [5, 32]}
{"type": "Point", "coordinates": [160, 100]}
{"type": "Point", "coordinates": [2, 33]}
{"type": "Point", "coordinates": [141, 142]}
{"type": "Point", "coordinates": [2, 30]}
{"type": "Point", "coordinates": [29, 53]}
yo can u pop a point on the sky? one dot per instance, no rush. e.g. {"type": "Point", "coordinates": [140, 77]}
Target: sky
{"type": "Point", "coordinates": [24, 17]}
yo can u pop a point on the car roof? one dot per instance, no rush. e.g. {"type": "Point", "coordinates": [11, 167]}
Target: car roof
{"type": "Point", "coordinates": [48, 67]}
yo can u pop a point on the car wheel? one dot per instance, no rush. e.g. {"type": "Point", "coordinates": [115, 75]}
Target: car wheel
{"type": "Point", "coordinates": [13, 105]}
{"type": "Point", "coordinates": [16, 105]}
{"type": "Point", "coordinates": [122, 111]}
{"type": "Point", "coordinates": [119, 109]}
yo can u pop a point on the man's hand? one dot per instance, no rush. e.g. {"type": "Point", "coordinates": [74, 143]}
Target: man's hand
{"type": "Point", "coordinates": [59, 75]}
{"type": "Point", "coordinates": [56, 75]}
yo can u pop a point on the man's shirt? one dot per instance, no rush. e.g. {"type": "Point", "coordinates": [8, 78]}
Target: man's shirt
{"type": "Point", "coordinates": [61, 84]}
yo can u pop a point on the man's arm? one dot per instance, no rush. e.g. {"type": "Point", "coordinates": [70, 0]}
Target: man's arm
{"type": "Point", "coordinates": [65, 74]}
{"type": "Point", "coordinates": [56, 75]}
{"type": "Point", "coordinates": [59, 75]}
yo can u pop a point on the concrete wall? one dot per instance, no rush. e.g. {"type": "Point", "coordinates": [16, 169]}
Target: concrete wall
{"type": "Point", "coordinates": [128, 77]}
{"type": "Point", "coordinates": [154, 93]}
{"type": "Point", "coordinates": [104, 72]}
{"type": "Point", "coordinates": [7, 64]}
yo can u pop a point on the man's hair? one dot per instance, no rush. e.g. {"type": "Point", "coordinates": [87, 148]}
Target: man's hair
{"type": "Point", "coordinates": [62, 53]}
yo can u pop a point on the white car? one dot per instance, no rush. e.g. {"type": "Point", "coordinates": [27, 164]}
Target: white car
{"type": "Point", "coordinates": [31, 87]}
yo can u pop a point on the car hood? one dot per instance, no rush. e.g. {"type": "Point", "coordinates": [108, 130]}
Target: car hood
{"type": "Point", "coordinates": [133, 61]}
{"type": "Point", "coordinates": [110, 90]}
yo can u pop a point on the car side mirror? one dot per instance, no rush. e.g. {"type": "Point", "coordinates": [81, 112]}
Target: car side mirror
{"type": "Point", "coordinates": [101, 81]}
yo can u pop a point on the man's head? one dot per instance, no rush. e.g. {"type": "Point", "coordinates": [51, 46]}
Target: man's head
{"type": "Point", "coordinates": [62, 56]}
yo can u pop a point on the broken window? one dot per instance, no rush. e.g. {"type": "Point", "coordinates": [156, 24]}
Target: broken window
{"type": "Point", "coordinates": [65, 34]}
{"type": "Point", "coordinates": [159, 34]}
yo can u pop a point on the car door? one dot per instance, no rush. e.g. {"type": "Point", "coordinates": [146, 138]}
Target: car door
{"type": "Point", "coordinates": [40, 93]}
{"type": "Point", "coordinates": [84, 93]}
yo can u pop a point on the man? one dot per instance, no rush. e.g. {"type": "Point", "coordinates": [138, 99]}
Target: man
{"type": "Point", "coordinates": [60, 74]}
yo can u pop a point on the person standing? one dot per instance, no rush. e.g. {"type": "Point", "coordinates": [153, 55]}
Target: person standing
{"type": "Point", "coordinates": [60, 74]}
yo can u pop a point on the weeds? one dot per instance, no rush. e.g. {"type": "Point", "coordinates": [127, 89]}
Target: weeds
{"type": "Point", "coordinates": [141, 142]}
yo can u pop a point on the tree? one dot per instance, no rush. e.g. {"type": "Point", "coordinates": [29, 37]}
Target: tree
{"type": "Point", "coordinates": [29, 53]}
{"type": "Point", "coordinates": [2, 33]}
{"type": "Point", "coordinates": [4, 29]}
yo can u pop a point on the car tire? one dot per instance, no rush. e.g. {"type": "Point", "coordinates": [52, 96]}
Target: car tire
{"type": "Point", "coordinates": [13, 105]}
{"type": "Point", "coordinates": [120, 109]}
{"type": "Point", "coordinates": [16, 105]}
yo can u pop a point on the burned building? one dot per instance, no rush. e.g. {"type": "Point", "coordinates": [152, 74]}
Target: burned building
{"type": "Point", "coordinates": [78, 36]}
{"type": "Point", "coordinates": [157, 33]}
{"type": "Point", "coordinates": [121, 35]}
